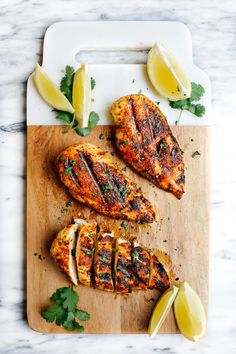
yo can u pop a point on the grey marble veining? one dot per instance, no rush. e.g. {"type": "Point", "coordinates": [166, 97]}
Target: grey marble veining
{"type": "Point", "coordinates": [22, 26]}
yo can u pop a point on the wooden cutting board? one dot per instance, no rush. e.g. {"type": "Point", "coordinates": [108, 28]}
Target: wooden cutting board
{"type": "Point", "coordinates": [181, 230]}
{"type": "Point", "coordinates": [117, 62]}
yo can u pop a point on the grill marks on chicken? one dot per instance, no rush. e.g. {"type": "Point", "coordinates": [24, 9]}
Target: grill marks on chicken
{"type": "Point", "coordinates": [141, 266]}
{"type": "Point", "coordinates": [103, 260]}
{"type": "Point", "coordinates": [109, 263]}
{"type": "Point", "coordinates": [84, 252]}
{"type": "Point", "coordinates": [123, 267]}
{"type": "Point", "coordinates": [158, 277]}
{"type": "Point", "coordinates": [145, 141]}
{"type": "Point", "coordinates": [95, 180]}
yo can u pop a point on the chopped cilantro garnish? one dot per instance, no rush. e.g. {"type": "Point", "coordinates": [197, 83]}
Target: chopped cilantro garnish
{"type": "Point", "coordinates": [93, 83]}
{"type": "Point", "coordinates": [124, 225]}
{"type": "Point", "coordinates": [134, 254]}
{"type": "Point", "coordinates": [196, 153]}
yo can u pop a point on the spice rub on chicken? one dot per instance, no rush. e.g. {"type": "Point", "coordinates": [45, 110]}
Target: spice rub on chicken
{"type": "Point", "coordinates": [94, 179]}
{"type": "Point", "coordinates": [84, 252]}
{"type": "Point", "coordinates": [123, 266]}
{"type": "Point", "coordinates": [105, 261]}
{"type": "Point", "coordinates": [145, 141]}
{"type": "Point", "coordinates": [141, 266]}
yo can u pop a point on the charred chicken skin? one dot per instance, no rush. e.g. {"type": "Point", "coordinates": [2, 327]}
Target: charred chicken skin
{"type": "Point", "coordinates": [145, 141]}
{"type": "Point", "coordinates": [95, 180]}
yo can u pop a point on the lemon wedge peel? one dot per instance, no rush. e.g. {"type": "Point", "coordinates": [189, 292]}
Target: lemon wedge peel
{"type": "Point", "coordinates": [158, 52]}
{"type": "Point", "coordinates": [189, 313]}
{"type": "Point", "coordinates": [81, 95]}
{"type": "Point", "coordinates": [161, 310]}
{"type": "Point", "coordinates": [49, 92]}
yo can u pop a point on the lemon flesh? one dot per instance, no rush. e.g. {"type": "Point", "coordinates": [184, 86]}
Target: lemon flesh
{"type": "Point", "coordinates": [166, 75]}
{"type": "Point", "coordinates": [81, 95]}
{"type": "Point", "coordinates": [161, 310]}
{"type": "Point", "coordinates": [189, 313]}
{"type": "Point", "coordinates": [50, 92]}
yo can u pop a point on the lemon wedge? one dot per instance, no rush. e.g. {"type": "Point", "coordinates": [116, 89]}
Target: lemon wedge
{"type": "Point", "coordinates": [189, 313]}
{"type": "Point", "coordinates": [161, 310]}
{"type": "Point", "coordinates": [50, 92]}
{"type": "Point", "coordinates": [81, 95]}
{"type": "Point", "coordinates": [166, 75]}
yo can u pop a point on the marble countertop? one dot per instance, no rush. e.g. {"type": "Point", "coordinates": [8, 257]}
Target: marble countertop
{"type": "Point", "coordinates": [22, 26]}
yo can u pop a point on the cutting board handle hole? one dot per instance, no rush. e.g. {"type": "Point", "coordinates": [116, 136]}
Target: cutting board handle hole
{"type": "Point", "coordinates": [112, 56]}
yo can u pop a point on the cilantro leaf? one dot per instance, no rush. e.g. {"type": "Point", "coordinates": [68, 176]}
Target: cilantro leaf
{"type": "Point", "coordinates": [56, 313]}
{"type": "Point", "coordinates": [196, 94]}
{"type": "Point", "coordinates": [197, 91]}
{"type": "Point", "coordinates": [199, 110]}
{"type": "Point", "coordinates": [93, 83]}
{"type": "Point", "coordinates": [56, 297]}
{"type": "Point", "coordinates": [70, 298]}
{"type": "Point", "coordinates": [69, 324]}
{"type": "Point", "coordinates": [67, 82]}
{"type": "Point", "coordinates": [180, 104]}
{"type": "Point", "coordinates": [78, 327]}
{"type": "Point", "coordinates": [64, 116]}
{"type": "Point", "coordinates": [82, 131]}
{"type": "Point", "coordinates": [82, 315]}
{"type": "Point", "coordinates": [93, 120]}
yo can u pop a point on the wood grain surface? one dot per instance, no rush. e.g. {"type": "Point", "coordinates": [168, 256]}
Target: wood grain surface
{"type": "Point", "coordinates": [181, 230]}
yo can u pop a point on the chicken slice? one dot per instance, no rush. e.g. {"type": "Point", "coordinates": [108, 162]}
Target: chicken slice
{"type": "Point", "coordinates": [85, 251]}
{"type": "Point", "coordinates": [159, 278]}
{"type": "Point", "coordinates": [103, 260]}
{"type": "Point", "coordinates": [141, 266]}
{"type": "Point", "coordinates": [63, 250]}
{"type": "Point", "coordinates": [123, 266]}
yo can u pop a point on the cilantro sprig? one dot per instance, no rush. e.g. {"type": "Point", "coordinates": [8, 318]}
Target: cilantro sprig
{"type": "Point", "coordinates": [66, 85]}
{"type": "Point", "coordinates": [188, 105]}
{"type": "Point", "coordinates": [67, 82]}
{"type": "Point", "coordinates": [64, 310]}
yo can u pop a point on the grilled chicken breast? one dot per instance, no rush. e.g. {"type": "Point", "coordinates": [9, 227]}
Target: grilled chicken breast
{"type": "Point", "coordinates": [145, 141]}
{"type": "Point", "coordinates": [103, 260]}
{"type": "Point", "coordinates": [95, 180]}
{"type": "Point", "coordinates": [84, 252]}
{"type": "Point", "coordinates": [123, 266]}
{"type": "Point", "coordinates": [108, 263]}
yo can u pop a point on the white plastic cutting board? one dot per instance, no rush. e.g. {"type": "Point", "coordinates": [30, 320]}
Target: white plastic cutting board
{"type": "Point", "coordinates": [64, 40]}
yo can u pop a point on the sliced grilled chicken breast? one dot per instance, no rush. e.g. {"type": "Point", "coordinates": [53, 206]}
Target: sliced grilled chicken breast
{"type": "Point", "coordinates": [123, 266]}
{"type": "Point", "coordinates": [95, 180]}
{"type": "Point", "coordinates": [84, 252]}
{"type": "Point", "coordinates": [141, 266]}
{"type": "Point", "coordinates": [113, 264]}
{"type": "Point", "coordinates": [159, 278]}
{"type": "Point", "coordinates": [63, 248]}
{"type": "Point", "coordinates": [103, 260]}
{"type": "Point", "coordinates": [145, 141]}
